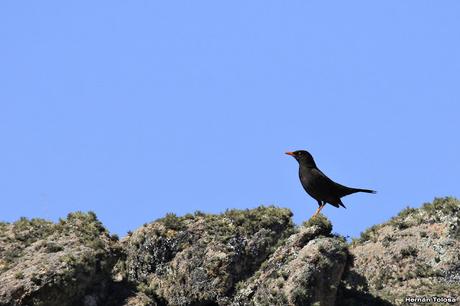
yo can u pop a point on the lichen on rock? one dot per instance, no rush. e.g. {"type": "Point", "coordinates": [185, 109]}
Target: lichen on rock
{"type": "Point", "coordinates": [43, 263]}
{"type": "Point", "coordinates": [198, 259]}
{"type": "Point", "coordinates": [237, 258]}
{"type": "Point", "coordinates": [414, 254]}
{"type": "Point", "coordinates": [306, 270]}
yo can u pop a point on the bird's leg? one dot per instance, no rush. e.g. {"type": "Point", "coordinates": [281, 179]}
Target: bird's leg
{"type": "Point", "coordinates": [321, 205]}
{"type": "Point", "coordinates": [319, 210]}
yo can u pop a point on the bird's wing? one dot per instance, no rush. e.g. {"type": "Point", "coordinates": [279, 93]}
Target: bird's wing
{"type": "Point", "coordinates": [327, 186]}
{"type": "Point", "coordinates": [321, 183]}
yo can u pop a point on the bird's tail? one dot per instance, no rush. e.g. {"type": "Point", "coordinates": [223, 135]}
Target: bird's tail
{"type": "Point", "coordinates": [364, 190]}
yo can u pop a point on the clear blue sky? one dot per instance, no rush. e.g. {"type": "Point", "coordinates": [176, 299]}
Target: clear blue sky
{"type": "Point", "coordinates": [134, 109]}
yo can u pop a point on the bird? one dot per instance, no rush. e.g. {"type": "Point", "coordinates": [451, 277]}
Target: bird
{"type": "Point", "coordinates": [318, 185]}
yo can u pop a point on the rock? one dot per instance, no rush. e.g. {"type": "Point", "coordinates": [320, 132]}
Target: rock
{"type": "Point", "coordinates": [140, 299]}
{"type": "Point", "coordinates": [198, 259]}
{"type": "Point", "coordinates": [415, 254]}
{"type": "Point", "coordinates": [306, 270]}
{"type": "Point", "coordinates": [55, 264]}
{"type": "Point", "coordinates": [238, 258]}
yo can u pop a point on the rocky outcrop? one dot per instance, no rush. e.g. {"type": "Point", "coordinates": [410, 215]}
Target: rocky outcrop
{"type": "Point", "coordinates": [240, 257]}
{"type": "Point", "coordinates": [415, 254]}
{"type": "Point", "coordinates": [198, 259]}
{"type": "Point", "coordinates": [306, 270]}
{"type": "Point", "coordinates": [237, 258]}
{"type": "Point", "coordinates": [68, 263]}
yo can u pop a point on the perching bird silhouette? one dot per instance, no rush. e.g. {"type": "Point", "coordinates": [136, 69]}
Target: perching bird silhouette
{"type": "Point", "coordinates": [318, 185]}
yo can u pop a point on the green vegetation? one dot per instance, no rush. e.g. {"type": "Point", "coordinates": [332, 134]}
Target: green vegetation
{"type": "Point", "coordinates": [3, 226]}
{"type": "Point", "coordinates": [19, 275]}
{"type": "Point", "coordinates": [173, 222]}
{"type": "Point", "coordinates": [252, 220]}
{"type": "Point", "coordinates": [86, 226]}
{"type": "Point", "coordinates": [214, 246]}
{"type": "Point", "coordinates": [369, 234]}
{"type": "Point", "coordinates": [246, 221]}
{"type": "Point", "coordinates": [320, 221]}
{"type": "Point", "coordinates": [212, 257]}
{"type": "Point", "coordinates": [21, 234]}
{"type": "Point", "coordinates": [446, 205]}
{"type": "Point", "coordinates": [53, 247]}
{"type": "Point", "coordinates": [409, 251]}
{"type": "Point", "coordinates": [45, 234]}
{"type": "Point", "coordinates": [428, 213]}
{"type": "Point", "coordinates": [406, 212]}
{"type": "Point", "coordinates": [28, 231]}
{"type": "Point", "coordinates": [388, 240]}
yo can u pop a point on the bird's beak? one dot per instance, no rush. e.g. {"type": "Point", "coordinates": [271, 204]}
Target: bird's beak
{"type": "Point", "coordinates": [290, 153]}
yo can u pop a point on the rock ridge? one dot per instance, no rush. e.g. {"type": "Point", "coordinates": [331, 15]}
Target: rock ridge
{"type": "Point", "coordinates": [240, 257]}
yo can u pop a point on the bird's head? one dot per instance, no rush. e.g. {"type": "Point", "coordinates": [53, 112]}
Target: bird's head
{"type": "Point", "coordinates": [303, 157]}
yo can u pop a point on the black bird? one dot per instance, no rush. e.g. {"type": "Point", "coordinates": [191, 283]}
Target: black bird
{"type": "Point", "coordinates": [318, 185]}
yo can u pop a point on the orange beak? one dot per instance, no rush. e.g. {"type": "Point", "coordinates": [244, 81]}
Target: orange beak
{"type": "Point", "coordinates": [290, 153]}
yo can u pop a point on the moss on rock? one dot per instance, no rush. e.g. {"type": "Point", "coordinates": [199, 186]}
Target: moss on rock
{"type": "Point", "coordinates": [199, 258]}
{"type": "Point", "coordinates": [55, 264]}
{"type": "Point", "coordinates": [410, 255]}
